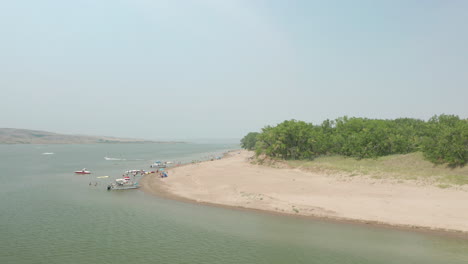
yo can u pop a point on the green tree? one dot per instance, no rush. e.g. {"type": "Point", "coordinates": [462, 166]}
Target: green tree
{"type": "Point", "coordinates": [249, 141]}
{"type": "Point", "coordinates": [443, 139]}
{"type": "Point", "coordinates": [446, 140]}
{"type": "Point", "coordinates": [288, 140]}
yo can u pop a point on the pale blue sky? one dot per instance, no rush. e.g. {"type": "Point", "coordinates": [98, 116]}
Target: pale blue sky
{"type": "Point", "coordinates": [210, 68]}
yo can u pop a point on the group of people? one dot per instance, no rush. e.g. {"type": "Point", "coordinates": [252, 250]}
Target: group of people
{"type": "Point", "coordinates": [134, 173]}
{"type": "Point", "coordinates": [95, 183]}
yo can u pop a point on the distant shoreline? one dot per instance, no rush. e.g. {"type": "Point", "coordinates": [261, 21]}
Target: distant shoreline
{"type": "Point", "coordinates": [13, 136]}
{"type": "Point", "coordinates": [233, 182]}
{"type": "Point", "coordinates": [87, 143]}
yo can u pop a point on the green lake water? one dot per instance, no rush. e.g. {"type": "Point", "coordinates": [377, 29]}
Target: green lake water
{"type": "Point", "coordinates": [50, 215]}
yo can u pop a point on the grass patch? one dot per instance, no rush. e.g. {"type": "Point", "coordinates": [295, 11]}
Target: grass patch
{"type": "Point", "coordinates": [456, 179]}
{"type": "Point", "coordinates": [444, 186]}
{"type": "Point", "coordinates": [402, 167]}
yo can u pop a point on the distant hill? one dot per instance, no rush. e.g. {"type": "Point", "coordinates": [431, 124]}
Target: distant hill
{"type": "Point", "coordinates": [25, 136]}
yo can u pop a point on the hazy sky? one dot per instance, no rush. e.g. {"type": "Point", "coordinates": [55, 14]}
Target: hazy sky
{"type": "Point", "coordinates": [217, 68]}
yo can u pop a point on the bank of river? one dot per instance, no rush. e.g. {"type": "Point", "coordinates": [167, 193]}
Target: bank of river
{"type": "Point", "coordinates": [234, 181]}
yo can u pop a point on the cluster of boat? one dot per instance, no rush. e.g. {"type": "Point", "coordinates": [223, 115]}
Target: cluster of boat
{"type": "Point", "coordinates": [123, 183]}
{"type": "Point", "coordinates": [126, 182]}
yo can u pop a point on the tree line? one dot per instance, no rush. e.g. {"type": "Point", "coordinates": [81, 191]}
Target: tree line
{"type": "Point", "coordinates": [442, 139]}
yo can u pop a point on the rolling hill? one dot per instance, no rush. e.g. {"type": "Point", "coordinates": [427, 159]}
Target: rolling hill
{"type": "Point", "coordinates": [26, 136]}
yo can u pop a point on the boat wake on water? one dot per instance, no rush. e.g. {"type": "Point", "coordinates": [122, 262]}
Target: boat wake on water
{"type": "Point", "coordinates": [108, 158]}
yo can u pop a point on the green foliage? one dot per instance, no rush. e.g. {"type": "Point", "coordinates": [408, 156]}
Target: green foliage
{"type": "Point", "coordinates": [446, 140]}
{"type": "Point", "coordinates": [288, 140]}
{"type": "Point", "coordinates": [249, 141]}
{"type": "Point", "coordinates": [371, 138]}
{"type": "Point", "coordinates": [443, 139]}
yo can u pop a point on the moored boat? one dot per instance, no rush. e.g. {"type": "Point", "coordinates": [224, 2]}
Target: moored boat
{"type": "Point", "coordinates": [123, 184]}
{"type": "Point", "coordinates": [159, 164]}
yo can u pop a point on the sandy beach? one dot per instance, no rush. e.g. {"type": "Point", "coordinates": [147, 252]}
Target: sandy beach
{"type": "Point", "coordinates": [234, 181]}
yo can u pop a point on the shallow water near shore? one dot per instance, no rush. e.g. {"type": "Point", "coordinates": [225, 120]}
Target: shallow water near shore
{"type": "Point", "coordinates": [51, 215]}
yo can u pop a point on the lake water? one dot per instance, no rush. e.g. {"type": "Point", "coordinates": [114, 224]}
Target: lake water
{"type": "Point", "coordinates": [50, 215]}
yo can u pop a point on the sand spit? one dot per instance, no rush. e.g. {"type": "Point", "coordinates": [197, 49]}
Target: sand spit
{"type": "Point", "coordinates": [234, 181]}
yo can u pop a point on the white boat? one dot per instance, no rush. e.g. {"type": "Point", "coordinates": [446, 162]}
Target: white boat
{"type": "Point", "coordinates": [123, 184]}
{"type": "Point", "coordinates": [158, 164]}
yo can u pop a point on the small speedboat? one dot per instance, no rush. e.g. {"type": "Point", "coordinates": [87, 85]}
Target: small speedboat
{"type": "Point", "coordinates": [83, 171]}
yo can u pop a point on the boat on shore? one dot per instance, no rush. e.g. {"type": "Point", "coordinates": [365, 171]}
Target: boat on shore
{"type": "Point", "coordinates": [123, 184]}
{"type": "Point", "coordinates": [83, 171]}
{"type": "Point", "coordinates": [159, 164]}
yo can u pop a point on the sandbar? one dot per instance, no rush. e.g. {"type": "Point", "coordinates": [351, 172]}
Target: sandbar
{"type": "Point", "coordinates": [235, 182]}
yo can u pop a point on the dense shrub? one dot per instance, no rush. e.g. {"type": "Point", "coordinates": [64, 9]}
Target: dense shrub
{"type": "Point", "coordinates": [443, 139]}
{"type": "Point", "coordinates": [446, 140]}
{"type": "Point", "coordinates": [249, 141]}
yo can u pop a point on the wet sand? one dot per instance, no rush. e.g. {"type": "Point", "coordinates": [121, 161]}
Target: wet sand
{"type": "Point", "coordinates": [233, 181]}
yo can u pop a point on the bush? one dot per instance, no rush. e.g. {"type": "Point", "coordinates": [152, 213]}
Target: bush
{"type": "Point", "coordinates": [249, 141]}
{"type": "Point", "coordinates": [446, 141]}
{"type": "Point", "coordinates": [443, 139]}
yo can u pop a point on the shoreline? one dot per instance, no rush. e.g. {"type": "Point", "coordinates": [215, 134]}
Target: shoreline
{"type": "Point", "coordinates": [196, 183]}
